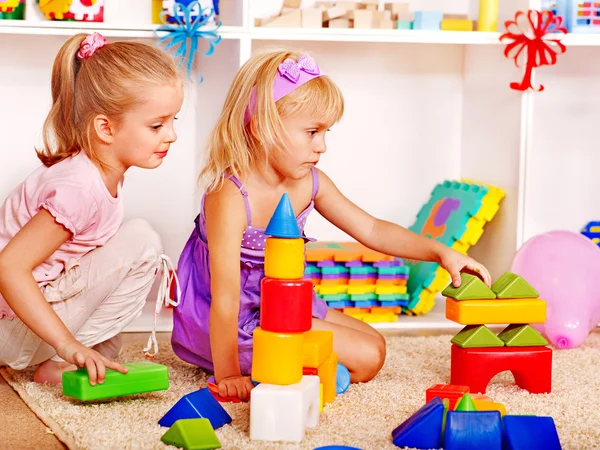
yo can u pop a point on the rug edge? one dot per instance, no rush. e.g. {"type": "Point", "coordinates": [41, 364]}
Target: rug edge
{"type": "Point", "coordinates": [60, 434]}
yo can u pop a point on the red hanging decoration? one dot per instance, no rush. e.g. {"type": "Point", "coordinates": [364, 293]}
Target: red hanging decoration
{"type": "Point", "coordinates": [534, 38]}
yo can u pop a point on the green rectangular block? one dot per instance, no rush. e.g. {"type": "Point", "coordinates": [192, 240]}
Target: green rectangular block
{"type": "Point", "coordinates": [141, 377]}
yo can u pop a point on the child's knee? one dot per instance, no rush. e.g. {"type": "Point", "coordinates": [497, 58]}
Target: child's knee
{"type": "Point", "coordinates": [373, 358]}
{"type": "Point", "coordinates": [145, 241]}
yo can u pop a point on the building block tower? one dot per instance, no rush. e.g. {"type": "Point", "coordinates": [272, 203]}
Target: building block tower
{"type": "Point", "coordinates": [295, 365]}
{"type": "Point", "coordinates": [477, 354]}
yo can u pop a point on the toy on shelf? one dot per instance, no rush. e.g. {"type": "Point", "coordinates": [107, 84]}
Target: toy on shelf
{"type": "Point", "coordinates": [140, 377]}
{"type": "Point", "coordinates": [563, 266]}
{"type": "Point", "coordinates": [364, 14]}
{"type": "Point", "coordinates": [470, 426]}
{"type": "Point", "coordinates": [455, 215]}
{"type": "Point", "coordinates": [168, 9]}
{"type": "Point", "coordinates": [577, 16]}
{"type": "Point", "coordinates": [477, 354]}
{"type": "Point", "coordinates": [358, 281]}
{"type": "Point", "coordinates": [295, 365]}
{"type": "Point", "coordinates": [12, 9]}
{"type": "Point", "coordinates": [74, 10]}
{"type": "Point", "coordinates": [592, 231]}
{"type": "Point", "coordinates": [488, 15]}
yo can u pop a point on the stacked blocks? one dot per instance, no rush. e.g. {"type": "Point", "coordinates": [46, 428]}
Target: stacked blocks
{"type": "Point", "coordinates": [358, 281]}
{"type": "Point", "coordinates": [470, 428]}
{"type": "Point", "coordinates": [477, 354]}
{"type": "Point", "coordinates": [455, 215]}
{"type": "Point", "coordinates": [295, 365]}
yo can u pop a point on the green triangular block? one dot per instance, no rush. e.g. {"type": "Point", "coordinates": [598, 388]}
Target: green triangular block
{"type": "Point", "coordinates": [465, 404]}
{"type": "Point", "coordinates": [192, 434]}
{"type": "Point", "coordinates": [511, 285]}
{"type": "Point", "coordinates": [471, 288]}
{"type": "Point", "coordinates": [473, 336]}
{"type": "Point", "coordinates": [446, 403]}
{"type": "Point", "coordinates": [522, 335]}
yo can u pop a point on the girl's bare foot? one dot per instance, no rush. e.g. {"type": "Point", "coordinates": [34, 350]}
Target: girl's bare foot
{"type": "Point", "coordinates": [51, 371]}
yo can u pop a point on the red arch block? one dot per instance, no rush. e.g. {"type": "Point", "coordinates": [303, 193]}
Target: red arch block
{"type": "Point", "coordinates": [475, 367]}
{"type": "Point", "coordinates": [286, 305]}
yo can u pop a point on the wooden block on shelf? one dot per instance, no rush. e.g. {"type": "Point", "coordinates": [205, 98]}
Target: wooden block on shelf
{"type": "Point", "coordinates": [382, 15]}
{"type": "Point", "coordinates": [339, 23]}
{"type": "Point", "coordinates": [292, 3]}
{"type": "Point", "coordinates": [334, 13]}
{"type": "Point", "coordinates": [364, 18]}
{"type": "Point", "coordinates": [386, 24]}
{"type": "Point", "coordinates": [290, 20]}
{"type": "Point", "coordinates": [407, 16]}
{"type": "Point", "coordinates": [456, 16]}
{"type": "Point", "coordinates": [325, 5]}
{"type": "Point", "coordinates": [285, 10]}
{"type": "Point", "coordinates": [371, 7]}
{"type": "Point", "coordinates": [312, 18]}
{"type": "Point", "coordinates": [350, 6]}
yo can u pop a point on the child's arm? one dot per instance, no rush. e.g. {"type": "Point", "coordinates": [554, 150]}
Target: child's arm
{"type": "Point", "coordinates": [225, 223]}
{"type": "Point", "coordinates": [387, 237]}
{"type": "Point", "coordinates": [31, 246]}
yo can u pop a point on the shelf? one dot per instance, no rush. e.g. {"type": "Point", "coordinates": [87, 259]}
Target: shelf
{"type": "Point", "coordinates": [57, 28]}
{"type": "Point", "coordinates": [276, 34]}
{"type": "Point", "coordinates": [375, 35]}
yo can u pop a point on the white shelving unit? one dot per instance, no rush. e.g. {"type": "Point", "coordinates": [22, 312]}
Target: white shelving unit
{"type": "Point", "coordinates": [421, 107]}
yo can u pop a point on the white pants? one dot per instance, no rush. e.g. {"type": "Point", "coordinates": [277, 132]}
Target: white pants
{"type": "Point", "coordinates": [96, 297]}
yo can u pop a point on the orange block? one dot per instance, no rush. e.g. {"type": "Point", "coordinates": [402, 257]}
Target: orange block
{"type": "Point", "coordinates": [328, 376]}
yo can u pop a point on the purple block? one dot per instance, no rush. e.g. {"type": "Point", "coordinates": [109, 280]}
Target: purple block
{"type": "Point", "coordinates": [360, 276]}
{"type": "Point", "coordinates": [383, 264]}
{"type": "Point", "coordinates": [355, 263]}
{"type": "Point", "coordinates": [326, 263]}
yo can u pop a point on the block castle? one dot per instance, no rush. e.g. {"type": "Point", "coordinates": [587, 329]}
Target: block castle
{"type": "Point", "coordinates": [295, 365]}
{"type": "Point", "coordinates": [477, 354]}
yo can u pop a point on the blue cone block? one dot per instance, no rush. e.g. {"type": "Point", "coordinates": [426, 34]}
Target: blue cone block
{"type": "Point", "coordinates": [342, 379]}
{"type": "Point", "coordinates": [530, 432]}
{"type": "Point", "coordinates": [199, 404]}
{"type": "Point", "coordinates": [423, 429]}
{"type": "Point", "coordinates": [283, 222]}
{"type": "Point", "coordinates": [473, 430]}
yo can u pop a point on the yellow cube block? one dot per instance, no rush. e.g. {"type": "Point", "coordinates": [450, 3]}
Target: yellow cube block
{"type": "Point", "coordinates": [484, 405]}
{"type": "Point", "coordinates": [317, 347]}
{"type": "Point", "coordinates": [328, 375]}
{"type": "Point", "coordinates": [457, 25]}
{"type": "Point", "coordinates": [474, 312]}
{"type": "Point", "coordinates": [277, 357]}
{"type": "Point", "coordinates": [284, 258]}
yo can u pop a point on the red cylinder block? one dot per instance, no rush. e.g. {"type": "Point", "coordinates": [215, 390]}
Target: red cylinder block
{"type": "Point", "coordinates": [286, 305]}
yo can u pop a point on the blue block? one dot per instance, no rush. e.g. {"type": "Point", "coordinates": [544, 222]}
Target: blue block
{"type": "Point", "coordinates": [530, 432]}
{"type": "Point", "coordinates": [339, 304]}
{"type": "Point", "coordinates": [365, 303]}
{"type": "Point", "coordinates": [427, 20]}
{"type": "Point", "coordinates": [473, 430]}
{"type": "Point", "coordinates": [423, 429]}
{"type": "Point", "coordinates": [199, 404]}
{"type": "Point", "coordinates": [283, 223]}
{"type": "Point", "coordinates": [342, 380]}
{"type": "Point", "coordinates": [337, 447]}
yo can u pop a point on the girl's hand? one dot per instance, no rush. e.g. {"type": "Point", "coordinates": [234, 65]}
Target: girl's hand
{"type": "Point", "coordinates": [95, 363]}
{"type": "Point", "coordinates": [235, 386]}
{"type": "Point", "coordinates": [455, 263]}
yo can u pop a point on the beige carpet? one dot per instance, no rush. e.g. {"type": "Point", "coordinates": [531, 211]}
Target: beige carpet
{"type": "Point", "coordinates": [364, 416]}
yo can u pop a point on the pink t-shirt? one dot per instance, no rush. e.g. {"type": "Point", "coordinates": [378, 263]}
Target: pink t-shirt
{"type": "Point", "coordinates": [75, 194]}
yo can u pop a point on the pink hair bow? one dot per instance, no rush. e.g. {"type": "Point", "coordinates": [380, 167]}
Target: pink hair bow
{"type": "Point", "coordinates": [90, 44]}
{"type": "Point", "coordinates": [291, 70]}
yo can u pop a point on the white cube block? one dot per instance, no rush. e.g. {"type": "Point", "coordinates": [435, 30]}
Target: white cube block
{"type": "Point", "coordinates": [282, 413]}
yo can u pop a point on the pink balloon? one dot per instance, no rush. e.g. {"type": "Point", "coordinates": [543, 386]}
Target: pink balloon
{"type": "Point", "coordinates": [564, 267]}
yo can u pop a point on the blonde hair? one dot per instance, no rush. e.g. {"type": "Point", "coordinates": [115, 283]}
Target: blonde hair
{"type": "Point", "coordinates": [233, 146]}
{"type": "Point", "coordinates": [108, 82]}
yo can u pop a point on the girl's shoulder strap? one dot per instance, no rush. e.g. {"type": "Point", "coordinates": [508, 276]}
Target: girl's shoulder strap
{"type": "Point", "coordinates": [244, 193]}
{"type": "Point", "coordinates": [315, 183]}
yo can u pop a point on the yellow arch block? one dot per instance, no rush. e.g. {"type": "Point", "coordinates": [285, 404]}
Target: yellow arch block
{"type": "Point", "coordinates": [475, 312]}
{"type": "Point", "coordinates": [277, 357]}
{"type": "Point", "coordinates": [328, 374]}
{"type": "Point", "coordinates": [284, 258]}
{"type": "Point", "coordinates": [484, 405]}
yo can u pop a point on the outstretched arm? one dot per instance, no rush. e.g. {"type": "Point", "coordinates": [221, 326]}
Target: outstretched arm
{"type": "Point", "coordinates": [389, 238]}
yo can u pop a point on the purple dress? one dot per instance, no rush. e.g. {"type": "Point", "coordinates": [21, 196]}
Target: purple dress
{"type": "Point", "coordinates": [190, 338]}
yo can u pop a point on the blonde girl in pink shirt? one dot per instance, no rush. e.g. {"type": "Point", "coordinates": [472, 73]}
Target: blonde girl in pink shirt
{"type": "Point", "coordinates": [72, 275]}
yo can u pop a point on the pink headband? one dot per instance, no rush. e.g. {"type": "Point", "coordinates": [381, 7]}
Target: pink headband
{"type": "Point", "coordinates": [90, 44]}
{"type": "Point", "coordinates": [290, 75]}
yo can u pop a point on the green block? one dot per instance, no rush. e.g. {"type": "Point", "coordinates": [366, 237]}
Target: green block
{"type": "Point", "coordinates": [141, 377]}
{"type": "Point", "coordinates": [477, 336]}
{"type": "Point", "coordinates": [511, 285]}
{"type": "Point", "coordinates": [192, 434]}
{"type": "Point", "coordinates": [522, 335]}
{"type": "Point", "coordinates": [363, 297]}
{"type": "Point", "coordinates": [471, 288]}
{"type": "Point", "coordinates": [446, 403]}
{"type": "Point", "coordinates": [365, 270]}
{"type": "Point", "coordinates": [335, 297]}
{"type": "Point", "coordinates": [465, 404]}
{"type": "Point", "coordinates": [404, 25]}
